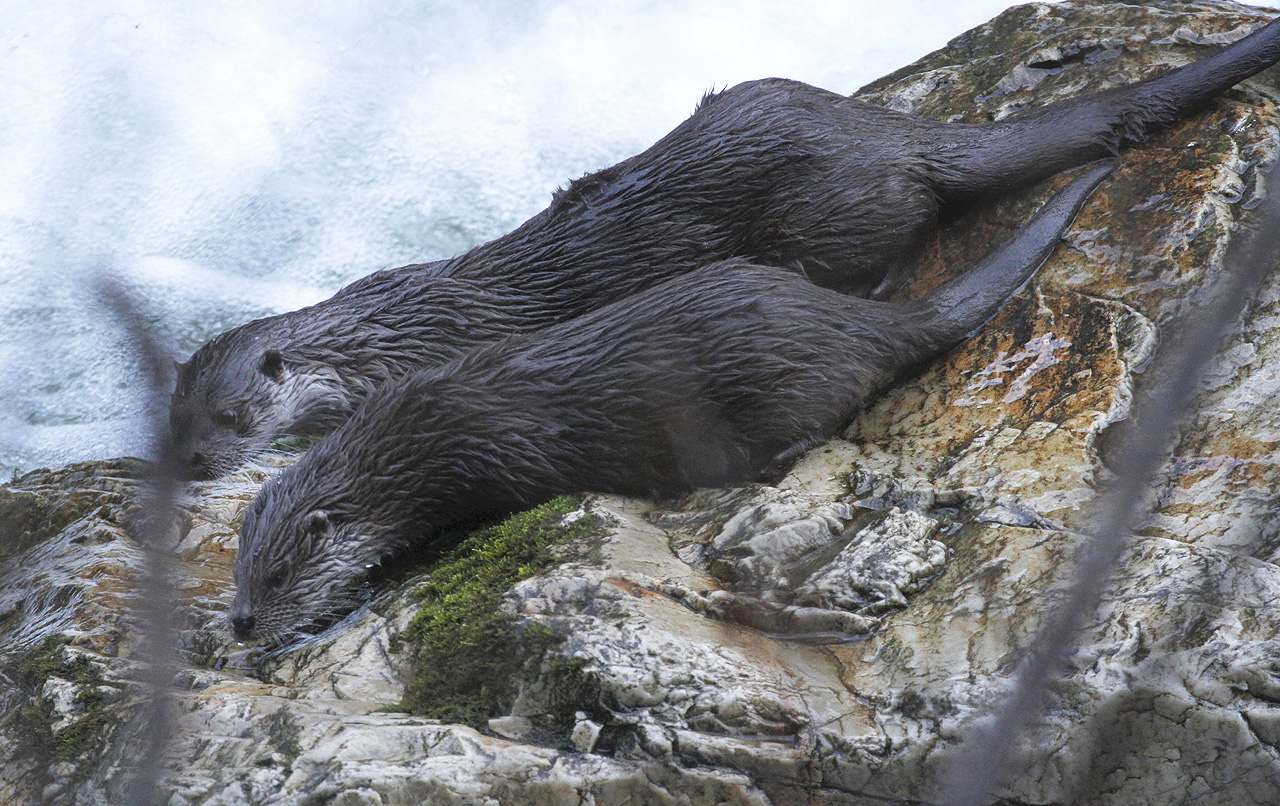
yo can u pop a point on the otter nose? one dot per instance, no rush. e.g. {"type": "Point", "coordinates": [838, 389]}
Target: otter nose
{"type": "Point", "coordinates": [198, 468]}
{"type": "Point", "coordinates": [242, 626]}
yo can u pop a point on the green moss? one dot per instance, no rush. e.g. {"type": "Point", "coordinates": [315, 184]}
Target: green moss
{"type": "Point", "coordinates": [88, 731]}
{"type": "Point", "coordinates": [468, 654]}
{"type": "Point", "coordinates": [30, 670]}
{"type": "Point", "coordinates": [1205, 243]}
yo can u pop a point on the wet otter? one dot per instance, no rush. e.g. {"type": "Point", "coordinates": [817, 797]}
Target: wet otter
{"type": "Point", "coordinates": [774, 171]}
{"type": "Point", "coordinates": [710, 379]}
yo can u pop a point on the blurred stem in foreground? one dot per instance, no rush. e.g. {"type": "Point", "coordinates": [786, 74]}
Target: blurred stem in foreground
{"type": "Point", "coordinates": [986, 760]}
{"type": "Point", "coordinates": [152, 723]}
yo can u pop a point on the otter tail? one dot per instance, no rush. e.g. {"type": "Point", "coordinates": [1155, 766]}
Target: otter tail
{"type": "Point", "coordinates": [1032, 145]}
{"type": "Point", "coordinates": [950, 313]}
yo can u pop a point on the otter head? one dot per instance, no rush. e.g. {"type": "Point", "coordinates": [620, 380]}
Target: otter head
{"type": "Point", "coordinates": [296, 563]}
{"type": "Point", "coordinates": [239, 393]}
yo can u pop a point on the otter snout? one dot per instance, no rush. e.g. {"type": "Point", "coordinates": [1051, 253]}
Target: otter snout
{"type": "Point", "coordinates": [242, 624]}
{"type": "Point", "coordinates": [198, 468]}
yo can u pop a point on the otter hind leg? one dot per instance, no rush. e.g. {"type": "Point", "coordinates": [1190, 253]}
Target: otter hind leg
{"type": "Point", "coordinates": [864, 227]}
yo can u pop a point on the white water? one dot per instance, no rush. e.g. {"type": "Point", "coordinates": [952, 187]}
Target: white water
{"type": "Point", "coordinates": [232, 160]}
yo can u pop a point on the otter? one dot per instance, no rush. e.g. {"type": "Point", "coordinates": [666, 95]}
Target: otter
{"type": "Point", "coordinates": [773, 171]}
{"type": "Point", "coordinates": [713, 378]}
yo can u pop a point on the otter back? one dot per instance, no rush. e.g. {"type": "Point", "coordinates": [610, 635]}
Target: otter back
{"type": "Point", "coordinates": [710, 379]}
{"type": "Point", "coordinates": [775, 171]}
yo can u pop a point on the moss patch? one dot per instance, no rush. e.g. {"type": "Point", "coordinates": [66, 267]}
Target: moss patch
{"type": "Point", "coordinates": [37, 506]}
{"type": "Point", "coordinates": [467, 654]}
{"type": "Point", "coordinates": [92, 723]}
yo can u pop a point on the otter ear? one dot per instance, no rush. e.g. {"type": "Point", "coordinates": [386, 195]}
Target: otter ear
{"type": "Point", "coordinates": [272, 364]}
{"type": "Point", "coordinates": [318, 523]}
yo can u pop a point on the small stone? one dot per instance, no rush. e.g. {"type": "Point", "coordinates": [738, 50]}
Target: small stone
{"type": "Point", "coordinates": [511, 727]}
{"type": "Point", "coordinates": [62, 771]}
{"type": "Point", "coordinates": [358, 797]}
{"type": "Point", "coordinates": [50, 793]}
{"type": "Point", "coordinates": [62, 695]}
{"type": "Point", "coordinates": [585, 735]}
{"type": "Point", "coordinates": [655, 741]}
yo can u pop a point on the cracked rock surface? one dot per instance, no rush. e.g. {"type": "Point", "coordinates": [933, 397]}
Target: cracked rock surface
{"type": "Point", "coordinates": [830, 639]}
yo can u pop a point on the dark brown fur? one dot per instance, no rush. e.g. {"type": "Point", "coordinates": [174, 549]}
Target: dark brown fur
{"type": "Point", "coordinates": [709, 379]}
{"type": "Point", "coordinates": [774, 171]}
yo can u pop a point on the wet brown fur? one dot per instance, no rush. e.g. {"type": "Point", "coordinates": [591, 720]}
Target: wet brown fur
{"type": "Point", "coordinates": [713, 378]}
{"type": "Point", "coordinates": [773, 171]}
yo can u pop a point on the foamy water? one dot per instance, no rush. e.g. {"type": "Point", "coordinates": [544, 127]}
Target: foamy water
{"type": "Point", "coordinates": [233, 161]}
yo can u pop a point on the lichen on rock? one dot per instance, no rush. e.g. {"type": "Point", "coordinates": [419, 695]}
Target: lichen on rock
{"type": "Point", "coordinates": [827, 639]}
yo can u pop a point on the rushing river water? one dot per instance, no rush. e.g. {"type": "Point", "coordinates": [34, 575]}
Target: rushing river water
{"type": "Point", "coordinates": [232, 160]}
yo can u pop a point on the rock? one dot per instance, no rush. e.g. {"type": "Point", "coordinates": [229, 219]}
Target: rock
{"type": "Point", "coordinates": [511, 727]}
{"type": "Point", "coordinates": [829, 639]}
{"type": "Point", "coordinates": [585, 733]}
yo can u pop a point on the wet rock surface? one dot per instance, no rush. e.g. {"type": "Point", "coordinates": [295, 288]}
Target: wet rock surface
{"type": "Point", "coordinates": [825, 640]}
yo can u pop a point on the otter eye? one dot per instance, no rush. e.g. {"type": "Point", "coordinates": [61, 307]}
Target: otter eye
{"type": "Point", "coordinates": [276, 579]}
{"type": "Point", "coordinates": [227, 418]}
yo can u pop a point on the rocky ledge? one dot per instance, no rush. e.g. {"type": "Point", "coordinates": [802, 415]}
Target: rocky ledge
{"type": "Point", "coordinates": [831, 639]}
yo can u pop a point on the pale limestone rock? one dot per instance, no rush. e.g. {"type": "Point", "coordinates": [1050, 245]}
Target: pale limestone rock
{"type": "Point", "coordinates": [511, 727]}
{"type": "Point", "coordinates": [827, 640]}
{"type": "Point", "coordinates": [585, 733]}
{"type": "Point", "coordinates": [61, 694]}
{"type": "Point", "coordinates": [876, 571]}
